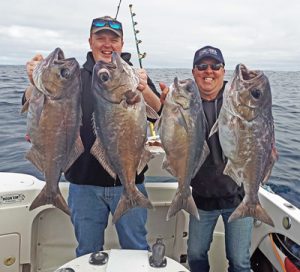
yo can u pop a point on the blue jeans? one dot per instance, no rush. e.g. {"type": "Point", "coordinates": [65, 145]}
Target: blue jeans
{"type": "Point", "coordinates": [90, 207]}
{"type": "Point", "coordinates": [238, 235]}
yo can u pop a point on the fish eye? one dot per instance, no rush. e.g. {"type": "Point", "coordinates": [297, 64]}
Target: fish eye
{"type": "Point", "coordinates": [256, 93]}
{"type": "Point", "coordinates": [104, 76]}
{"type": "Point", "coordinates": [65, 73]}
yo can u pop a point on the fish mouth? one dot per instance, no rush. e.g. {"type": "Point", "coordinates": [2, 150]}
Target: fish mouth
{"type": "Point", "coordinates": [58, 58]}
{"type": "Point", "coordinates": [186, 84]}
{"type": "Point", "coordinates": [252, 82]}
{"type": "Point", "coordinates": [58, 70]}
{"type": "Point", "coordinates": [252, 90]}
{"type": "Point", "coordinates": [56, 55]}
{"type": "Point", "coordinates": [247, 75]}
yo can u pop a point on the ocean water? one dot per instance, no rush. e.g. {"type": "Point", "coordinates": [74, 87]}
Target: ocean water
{"type": "Point", "coordinates": [285, 178]}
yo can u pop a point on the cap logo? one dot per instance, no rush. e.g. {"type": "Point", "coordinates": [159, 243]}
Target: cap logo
{"type": "Point", "coordinates": [208, 51]}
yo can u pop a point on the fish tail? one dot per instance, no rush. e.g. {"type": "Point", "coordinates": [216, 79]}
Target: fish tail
{"type": "Point", "coordinates": [55, 199]}
{"type": "Point", "coordinates": [182, 201]}
{"type": "Point", "coordinates": [256, 211]}
{"type": "Point", "coordinates": [127, 202]}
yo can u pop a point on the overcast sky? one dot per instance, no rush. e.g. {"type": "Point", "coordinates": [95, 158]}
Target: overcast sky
{"type": "Point", "coordinates": [263, 34]}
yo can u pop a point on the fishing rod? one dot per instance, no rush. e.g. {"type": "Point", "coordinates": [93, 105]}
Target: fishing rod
{"type": "Point", "coordinates": [118, 10]}
{"type": "Point", "coordinates": [137, 41]}
{"type": "Point", "coordinates": [140, 57]}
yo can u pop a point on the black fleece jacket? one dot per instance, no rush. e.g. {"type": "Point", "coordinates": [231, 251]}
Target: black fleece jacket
{"type": "Point", "coordinates": [210, 188]}
{"type": "Point", "coordinates": [87, 170]}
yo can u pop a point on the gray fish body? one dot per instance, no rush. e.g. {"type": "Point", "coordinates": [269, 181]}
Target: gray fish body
{"type": "Point", "coordinates": [53, 123]}
{"type": "Point", "coordinates": [182, 134]}
{"type": "Point", "coordinates": [120, 124]}
{"type": "Point", "coordinates": [246, 133]}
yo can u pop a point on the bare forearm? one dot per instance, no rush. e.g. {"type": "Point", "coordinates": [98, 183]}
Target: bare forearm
{"type": "Point", "coordinates": [151, 99]}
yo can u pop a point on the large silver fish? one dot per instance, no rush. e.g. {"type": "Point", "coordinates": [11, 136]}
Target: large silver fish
{"type": "Point", "coordinates": [246, 132]}
{"type": "Point", "coordinates": [53, 123]}
{"type": "Point", "coordinates": [120, 122]}
{"type": "Point", "coordinates": [182, 133]}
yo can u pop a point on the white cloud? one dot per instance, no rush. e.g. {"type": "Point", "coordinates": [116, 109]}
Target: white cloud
{"type": "Point", "coordinates": [21, 32]}
{"type": "Point", "coordinates": [263, 34]}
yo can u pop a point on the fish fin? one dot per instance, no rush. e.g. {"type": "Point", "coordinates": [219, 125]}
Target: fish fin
{"type": "Point", "coordinates": [157, 125]}
{"type": "Point", "coordinates": [181, 120]}
{"type": "Point", "coordinates": [167, 166]}
{"type": "Point", "coordinates": [214, 128]}
{"type": "Point", "coordinates": [56, 199]}
{"type": "Point", "coordinates": [28, 91]}
{"type": "Point", "coordinates": [256, 211]}
{"type": "Point", "coordinates": [145, 158]}
{"type": "Point", "coordinates": [204, 154]}
{"type": "Point", "coordinates": [273, 158]}
{"type": "Point", "coordinates": [36, 104]}
{"type": "Point", "coordinates": [74, 154]}
{"type": "Point", "coordinates": [151, 113]}
{"type": "Point", "coordinates": [34, 156]}
{"type": "Point", "coordinates": [98, 152]}
{"type": "Point", "coordinates": [25, 107]}
{"type": "Point", "coordinates": [127, 202]}
{"type": "Point", "coordinates": [183, 200]}
{"type": "Point", "coordinates": [229, 172]}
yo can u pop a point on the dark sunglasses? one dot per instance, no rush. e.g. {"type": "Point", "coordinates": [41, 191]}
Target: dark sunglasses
{"type": "Point", "coordinates": [214, 67]}
{"type": "Point", "coordinates": [111, 23]}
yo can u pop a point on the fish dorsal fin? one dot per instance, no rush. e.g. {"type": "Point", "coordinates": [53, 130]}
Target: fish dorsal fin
{"type": "Point", "coordinates": [99, 153]}
{"type": "Point", "coordinates": [74, 153]}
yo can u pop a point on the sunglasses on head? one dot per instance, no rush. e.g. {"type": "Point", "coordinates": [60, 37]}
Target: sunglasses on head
{"type": "Point", "coordinates": [111, 23]}
{"type": "Point", "coordinates": [204, 66]}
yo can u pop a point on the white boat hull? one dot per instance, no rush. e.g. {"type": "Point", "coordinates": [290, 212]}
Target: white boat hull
{"type": "Point", "coordinates": [43, 239]}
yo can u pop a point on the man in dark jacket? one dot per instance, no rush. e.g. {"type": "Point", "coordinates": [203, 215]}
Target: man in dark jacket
{"type": "Point", "coordinates": [93, 193]}
{"type": "Point", "coordinates": [215, 194]}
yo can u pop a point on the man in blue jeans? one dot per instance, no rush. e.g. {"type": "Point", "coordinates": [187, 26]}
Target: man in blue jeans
{"type": "Point", "coordinates": [93, 193]}
{"type": "Point", "coordinates": [215, 194]}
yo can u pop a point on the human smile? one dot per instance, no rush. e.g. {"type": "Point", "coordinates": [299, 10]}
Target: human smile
{"type": "Point", "coordinates": [107, 53]}
{"type": "Point", "coordinates": [208, 79]}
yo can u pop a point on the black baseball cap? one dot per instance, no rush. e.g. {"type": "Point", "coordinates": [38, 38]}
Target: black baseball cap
{"type": "Point", "coordinates": [208, 52]}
